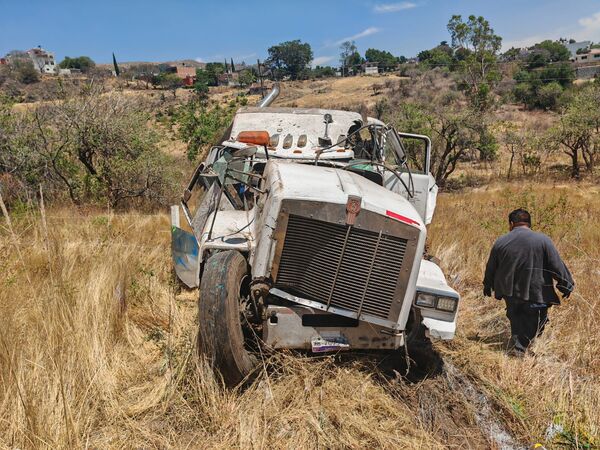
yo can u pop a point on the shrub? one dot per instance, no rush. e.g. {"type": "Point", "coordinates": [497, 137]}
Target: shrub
{"type": "Point", "coordinates": [94, 147]}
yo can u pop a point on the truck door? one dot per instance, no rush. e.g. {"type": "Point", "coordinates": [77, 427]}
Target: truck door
{"type": "Point", "coordinates": [415, 150]}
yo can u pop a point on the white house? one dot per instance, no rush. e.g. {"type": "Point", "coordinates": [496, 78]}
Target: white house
{"type": "Point", "coordinates": [590, 56]}
{"type": "Point", "coordinates": [42, 60]}
{"type": "Point", "coordinates": [371, 68]}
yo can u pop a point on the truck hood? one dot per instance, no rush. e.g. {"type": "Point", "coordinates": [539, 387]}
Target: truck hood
{"type": "Point", "coordinates": [327, 184]}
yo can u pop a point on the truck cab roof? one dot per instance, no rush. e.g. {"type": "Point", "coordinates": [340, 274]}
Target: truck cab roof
{"type": "Point", "coordinates": [295, 132]}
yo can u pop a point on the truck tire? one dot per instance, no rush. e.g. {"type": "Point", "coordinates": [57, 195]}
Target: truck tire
{"type": "Point", "coordinates": [220, 334]}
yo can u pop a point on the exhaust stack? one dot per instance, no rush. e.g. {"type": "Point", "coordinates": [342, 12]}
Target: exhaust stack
{"type": "Point", "coordinates": [270, 98]}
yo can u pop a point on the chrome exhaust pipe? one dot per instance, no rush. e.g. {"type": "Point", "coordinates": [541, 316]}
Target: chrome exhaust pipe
{"type": "Point", "coordinates": [270, 98]}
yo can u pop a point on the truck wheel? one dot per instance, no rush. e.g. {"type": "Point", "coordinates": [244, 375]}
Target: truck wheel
{"type": "Point", "coordinates": [223, 290]}
{"type": "Point", "coordinates": [415, 329]}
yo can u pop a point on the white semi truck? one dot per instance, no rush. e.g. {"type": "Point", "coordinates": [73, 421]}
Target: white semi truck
{"type": "Point", "coordinates": [309, 233]}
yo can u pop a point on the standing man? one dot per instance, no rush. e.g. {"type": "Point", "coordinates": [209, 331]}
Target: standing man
{"type": "Point", "coordinates": [521, 269]}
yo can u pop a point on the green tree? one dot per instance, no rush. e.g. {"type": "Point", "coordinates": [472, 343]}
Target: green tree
{"type": "Point", "coordinates": [454, 131]}
{"type": "Point", "coordinates": [92, 146]}
{"type": "Point", "coordinates": [349, 56]}
{"type": "Point", "coordinates": [323, 72]}
{"type": "Point", "coordinates": [200, 126]}
{"type": "Point", "coordinates": [170, 81]}
{"type": "Point", "coordinates": [289, 59]}
{"type": "Point", "coordinates": [578, 130]}
{"type": "Point", "coordinates": [201, 88]}
{"type": "Point", "coordinates": [386, 61]}
{"type": "Point", "coordinates": [551, 51]}
{"type": "Point", "coordinates": [213, 71]}
{"type": "Point", "coordinates": [479, 67]}
{"type": "Point", "coordinates": [246, 78]}
{"type": "Point", "coordinates": [435, 57]}
{"type": "Point", "coordinates": [83, 63]}
{"type": "Point", "coordinates": [542, 87]}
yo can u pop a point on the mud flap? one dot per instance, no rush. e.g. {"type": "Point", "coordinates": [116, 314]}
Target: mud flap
{"type": "Point", "coordinates": [185, 252]}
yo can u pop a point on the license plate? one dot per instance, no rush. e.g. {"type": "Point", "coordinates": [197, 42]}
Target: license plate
{"type": "Point", "coordinates": [330, 344]}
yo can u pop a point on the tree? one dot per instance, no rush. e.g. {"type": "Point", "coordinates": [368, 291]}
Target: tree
{"type": "Point", "coordinates": [452, 128]}
{"type": "Point", "coordinates": [94, 147]}
{"type": "Point", "coordinates": [211, 73]}
{"type": "Point", "coordinates": [246, 78]}
{"type": "Point", "coordinates": [479, 67]}
{"type": "Point", "coordinates": [323, 72]}
{"type": "Point", "coordinates": [348, 56]}
{"type": "Point", "coordinates": [201, 88]}
{"type": "Point", "coordinates": [171, 82]}
{"type": "Point", "coordinates": [386, 61]}
{"type": "Point", "coordinates": [289, 59]}
{"type": "Point", "coordinates": [578, 131]}
{"type": "Point", "coordinates": [83, 63]}
{"type": "Point", "coordinates": [542, 87]}
{"type": "Point", "coordinates": [552, 50]}
{"type": "Point", "coordinates": [435, 57]}
{"type": "Point", "coordinates": [199, 125]}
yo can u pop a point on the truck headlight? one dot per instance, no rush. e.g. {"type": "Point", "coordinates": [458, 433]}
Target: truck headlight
{"type": "Point", "coordinates": [427, 300]}
{"type": "Point", "coordinates": [447, 304]}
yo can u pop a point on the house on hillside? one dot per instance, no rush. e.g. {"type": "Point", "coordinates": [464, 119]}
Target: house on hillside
{"type": "Point", "coordinates": [229, 79]}
{"type": "Point", "coordinates": [43, 60]}
{"type": "Point", "coordinates": [370, 68]}
{"type": "Point", "coordinates": [186, 73]}
{"type": "Point", "coordinates": [573, 47]}
{"type": "Point", "coordinates": [592, 55]}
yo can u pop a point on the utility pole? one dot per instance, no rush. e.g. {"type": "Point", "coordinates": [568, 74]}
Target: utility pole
{"type": "Point", "coordinates": [260, 77]}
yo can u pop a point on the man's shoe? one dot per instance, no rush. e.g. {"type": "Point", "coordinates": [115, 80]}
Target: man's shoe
{"type": "Point", "coordinates": [515, 352]}
{"type": "Point", "coordinates": [515, 348]}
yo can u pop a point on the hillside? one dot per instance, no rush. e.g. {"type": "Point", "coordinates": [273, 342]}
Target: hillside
{"type": "Point", "coordinates": [97, 338]}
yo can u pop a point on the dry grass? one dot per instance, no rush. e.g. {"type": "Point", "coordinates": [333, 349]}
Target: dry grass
{"type": "Point", "coordinates": [561, 384]}
{"type": "Point", "coordinates": [334, 93]}
{"type": "Point", "coordinates": [97, 349]}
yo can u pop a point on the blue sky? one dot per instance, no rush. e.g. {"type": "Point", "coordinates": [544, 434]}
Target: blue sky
{"type": "Point", "coordinates": [214, 30]}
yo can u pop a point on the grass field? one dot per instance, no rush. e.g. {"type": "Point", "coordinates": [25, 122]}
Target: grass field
{"type": "Point", "coordinates": [97, 345]}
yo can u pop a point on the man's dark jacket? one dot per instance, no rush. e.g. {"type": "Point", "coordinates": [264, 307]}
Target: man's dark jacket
{"type": "Point", "coordinates": [523, 265]}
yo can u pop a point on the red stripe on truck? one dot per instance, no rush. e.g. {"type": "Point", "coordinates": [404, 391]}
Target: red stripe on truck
{"type": "Point", "coordinates": [401, 218]}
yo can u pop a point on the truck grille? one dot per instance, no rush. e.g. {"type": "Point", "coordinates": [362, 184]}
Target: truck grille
{"type": "Point", "coordinates": [341, 266]}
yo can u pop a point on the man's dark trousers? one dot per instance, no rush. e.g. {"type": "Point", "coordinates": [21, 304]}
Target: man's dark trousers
{"type": "Point", "coordinates": [527, 321]}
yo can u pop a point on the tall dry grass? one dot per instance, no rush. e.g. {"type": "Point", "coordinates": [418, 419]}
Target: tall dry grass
{"type": "Point", "coordinates": [556, 394]}
{"type": "Point", "coordinates": [97, 350]}
{"type": "Point", "coordinates": [97, 346]}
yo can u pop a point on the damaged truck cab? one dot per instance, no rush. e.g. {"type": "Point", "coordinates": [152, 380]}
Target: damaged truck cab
{"type": "Point", "coordinates": [310, 234]}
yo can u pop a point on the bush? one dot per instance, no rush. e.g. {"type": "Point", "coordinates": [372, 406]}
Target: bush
{"type": "Point", "coordinates": [199, 125]}
{"type": "Point", "coordinates": [548, 95]}
{"type": "Point", "coordinates": [24, 72]}
{"type": "Point", "coordinates": [94, 147]}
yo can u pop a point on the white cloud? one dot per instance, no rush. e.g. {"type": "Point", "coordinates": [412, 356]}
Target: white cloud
{"type": "Point", "coordinates": [385, 8]}
{"type": "Point", "coordinates": [244, 57]}
{"type": "Point", "coordinates": [587, 29]}
{"type": "Point", "coordinates": [320, 60]}
{"type": "Point", "coordinates": [590, 28]}
{"type": "Point", "coordinates": [367, 32]}
{"type": "Point", "coordinates": [200, 60]}
{"type": "Point", "coordinates": [527, 41]}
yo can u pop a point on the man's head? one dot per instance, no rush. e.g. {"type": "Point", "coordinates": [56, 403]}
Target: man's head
{"type": "Point", "coordinates": [519, 218]}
